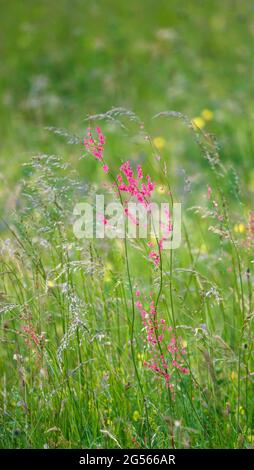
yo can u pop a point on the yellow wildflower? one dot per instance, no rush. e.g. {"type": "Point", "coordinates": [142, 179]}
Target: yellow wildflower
{"type": "Point", "coordinates": [50, 284]}
{"type": "Point", "coordinates": [136, 416]}
{"type": "Point", "coordinates": [203, 249]}
{"type": "Point", "coordinates": [207, 114]}
{"type": "Point", "coordinates": [140, 357]}
{"type": "Point", "coordinates": [198, 122]}
{"type": "Point", "coordinates": [161, 189]}
{"type": "Point", "coordinates": [239, 228]}
{"type": "Point", "coordinates": [159, 142]}
{"type": "Point", "coordinates": [233, 375]}
{"type": "Point", "coordinates": [241, 410]}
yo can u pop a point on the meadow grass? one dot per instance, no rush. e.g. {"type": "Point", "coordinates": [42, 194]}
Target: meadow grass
{"type": "Point", "coordinates": [72, 341]}
{"type": "Point", "coordinates": [73, 344]}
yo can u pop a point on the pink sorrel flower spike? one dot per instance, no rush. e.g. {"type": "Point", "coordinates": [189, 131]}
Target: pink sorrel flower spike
{"type": "Point", "coordinates": [140, 172]}
{"type": "Point", "coordinates": [129, 183]}
{"type": "Point", "coordinates": [164, 354]}
{"type": "Point", "coordinates": [95, 146]}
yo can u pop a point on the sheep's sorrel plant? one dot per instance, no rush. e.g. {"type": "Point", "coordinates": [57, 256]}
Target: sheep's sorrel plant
{"type": "Point", "coordinates": [127, 296]}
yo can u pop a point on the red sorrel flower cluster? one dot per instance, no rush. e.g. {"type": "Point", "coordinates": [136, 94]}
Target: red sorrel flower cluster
{"type": "Point", "coordinates": [134, 185]}
{"type": "Point", "coordinates": [32, 337]}
{"type": "Point", "coordinates": [153, 255]}
{"type": "Point", "coordinates": [160, 338]}
{"type": "Point", "coordinates": [249, 242]}
{"type": "Point", "coordinates": [95, 146]}
{"type": "Point", "coordinates": [251, 223]}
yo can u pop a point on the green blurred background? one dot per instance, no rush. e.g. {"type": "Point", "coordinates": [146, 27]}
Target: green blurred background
{"type": "Point", "coordinates": [61, 60]}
